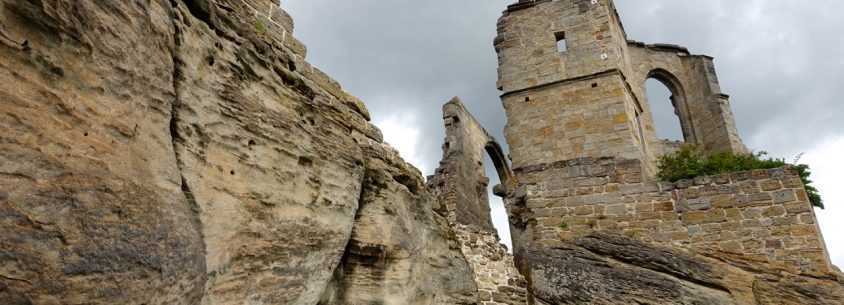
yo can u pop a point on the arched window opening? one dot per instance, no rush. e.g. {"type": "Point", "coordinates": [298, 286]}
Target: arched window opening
{"type": "Point", "coordinates": [664, 110]}
{"type": "Point", "coordinates": [498, 212]}
{"type": "Point", "coordinates": [669, 108]}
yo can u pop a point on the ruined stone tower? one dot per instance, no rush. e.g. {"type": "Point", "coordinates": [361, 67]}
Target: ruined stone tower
{"type": "Point", "coordinates": [583, 148]}
{"type": "Point", "coordinates": [573, 87]}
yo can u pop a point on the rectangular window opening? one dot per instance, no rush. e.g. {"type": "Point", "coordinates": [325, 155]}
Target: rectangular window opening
{"type": "Point", "coordinates": [561, 42]}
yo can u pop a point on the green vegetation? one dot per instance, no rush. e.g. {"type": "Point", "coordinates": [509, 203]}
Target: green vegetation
{"type": "Point", "coordinates": [690, 162]}
{"type": "Point", "coordinates": [533, 222]}
{"type": "Point", "coordinates": [564, 225]}
{"type": "Point", "coordinates": [261, 27]}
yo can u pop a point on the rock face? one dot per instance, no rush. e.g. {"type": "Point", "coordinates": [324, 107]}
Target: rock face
{"type": "Point", "coordinates": [400, 252]}
{"type": "Point", "coordinates": [91, 195]}
{"type": "Point", "coordinates": [603, 268]}
{"type": "Point", "coordinates": [183, 152]}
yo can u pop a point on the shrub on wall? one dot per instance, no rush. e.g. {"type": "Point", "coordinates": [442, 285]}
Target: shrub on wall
{"type": "Point", "coordinates": [690, 162]}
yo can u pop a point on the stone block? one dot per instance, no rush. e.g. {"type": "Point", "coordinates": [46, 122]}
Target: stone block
{"type": "Point", "coordinates": [787, 220]}
{"type": "Point", "coordinates": [644, 207]}
{"type": "Point", "coordinates": [774, 211]}
{"type": "Point", "coordinates": [584, 210]}
{"type": "Point", "coordinates": [686, 183]}
{"type": "Point", "coordinates": [793, 182]}
{"type": "Point", "coordinates": [807, 218]}
{"type": "Point", "coordinates": [664, 206]}
{"type": "Point", "coordinates": [773, 244]}
{"type": "Point", "coordinates": [761, 198]}
{"type": "Point", "coordinates": [721, 201]}
{"type": "Point", "coordinates": [731, 247]}
{"type": "Point", "coordinates": [693, 217]}
{"type": "Point", "coordinates": [804, 230]}
{"type": "Point", "coordinates": [740, 176]}
{"type": "Point", "coordinates": [784, 196]}
{"type": "Point", "coordinates": [716, 215]}
{"type": "Point", "coordinates": [615, 209]}
{"type": "Point", "coordinates": [758, 174]}
{"type": "Point", "coordinates": [740, 201]}
{"type": "Point", "coordinates": [648, 215]}
{"type": "Point", "coordinates": [721, 179]}
{"type": "Point", "coordinates": [797, 207]}
{"type": "Point", "coordinates": [697, 204]}
{"type": "Point", "coordinates": [770, 185]}
{"type": "Point", "coordinates": [749, 187]}
{"type": "Point", "coordinates": [733, 214]}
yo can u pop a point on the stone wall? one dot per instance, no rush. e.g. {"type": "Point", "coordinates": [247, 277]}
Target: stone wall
{"type": "Point", "coordinates": [462, 187]}
{"type": "Point", "coordinates": [499, 282]}
{"type": "Point", "coordinates": [564, 121]}
{"type": "Point", "coordinates": [460, 181]}
{"type": "Point", "coordinates": [761, 215]}
{"type": "Point", "coordinates": [589, 100]}
{"type": "Point", "coordinates": [564, 105]}
{"type": "Point", "coordinates": [702, 109]}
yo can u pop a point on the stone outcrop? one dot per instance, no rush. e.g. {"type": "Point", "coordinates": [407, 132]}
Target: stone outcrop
{"type": "Point", "coordinates": [400, 252]}
{"type": "Point", "coordinates": [602, 268]}
{"type": "Point", "coordinates": [183, 152]}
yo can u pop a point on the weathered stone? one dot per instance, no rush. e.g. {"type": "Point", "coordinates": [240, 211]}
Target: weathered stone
{"type": "Point", "coordinates": [583, 271]}
{"type": "Point", "coordinates": [579, 121]}
{"type": "Point", "coordinates": [187, 155]}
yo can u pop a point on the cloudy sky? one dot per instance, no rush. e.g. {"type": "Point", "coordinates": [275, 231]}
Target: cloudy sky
{"type": "Point", "coordinates": [781, 61]}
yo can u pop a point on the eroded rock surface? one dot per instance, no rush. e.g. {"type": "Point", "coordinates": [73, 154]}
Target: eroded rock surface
{"type": "Point", "coordinates": [603, 268]}
{"type": "Point", "coordinates": [400, 252]}
{"type": "Point", "coordinates": [183, 152]}
{"type": "Point", "coordinates": [91, 206]}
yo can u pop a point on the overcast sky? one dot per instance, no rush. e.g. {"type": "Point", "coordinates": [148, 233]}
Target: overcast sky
{"type": "Point", "coordinates": [781, 61]}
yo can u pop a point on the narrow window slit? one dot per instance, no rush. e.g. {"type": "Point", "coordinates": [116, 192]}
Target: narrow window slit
{"type": "Point", "coordinates": [561, 42]}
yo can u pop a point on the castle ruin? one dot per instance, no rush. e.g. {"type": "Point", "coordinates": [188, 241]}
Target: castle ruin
{"type": "Point", "coordinates": [583, 149]}
{"type": "Point", "coordinates": [185, 152]}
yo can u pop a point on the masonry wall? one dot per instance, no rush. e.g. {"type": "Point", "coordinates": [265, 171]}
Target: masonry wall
{"type": "Point", "coordinates": [703, 110]}
{"type": "Point", "coordinates": [763, 215]}
{"type": "Point", "coordinates": [460, 180]}
{"type": "Point", "coordinates": [600, 73]}
{"type": "Point", "coordinates": [527, 46]}
{"type": "Point", "coordinates": [499, 282]}
{"type": "Point", "coordinates": [565, 121]}
{"type": "Point", "coordinates": [461, 186]}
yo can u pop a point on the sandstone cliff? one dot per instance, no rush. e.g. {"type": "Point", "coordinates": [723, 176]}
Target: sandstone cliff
{"type": "Point", "coordinates": [183, 152]}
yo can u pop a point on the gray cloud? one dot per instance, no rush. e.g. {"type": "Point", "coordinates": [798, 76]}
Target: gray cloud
{"type": "Point", "coordinates": [780, 60]}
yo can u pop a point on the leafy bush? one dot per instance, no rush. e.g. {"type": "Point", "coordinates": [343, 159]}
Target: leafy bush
{"type": "Point", "coordinates": [690, 162]}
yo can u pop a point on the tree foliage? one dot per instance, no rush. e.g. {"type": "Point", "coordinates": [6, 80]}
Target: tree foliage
{"type": "Point", "coordinates": [689, 162]}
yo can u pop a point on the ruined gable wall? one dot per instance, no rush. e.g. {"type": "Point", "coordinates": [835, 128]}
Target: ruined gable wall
{"type": "Point", "coordinates": [460, 180]}
{"type": "Point", "coordinates": [760, 215]}
{"type": "Point", "coordinates": [704, 112]}
{"type": "Point", "coordinates": [461, 186]}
